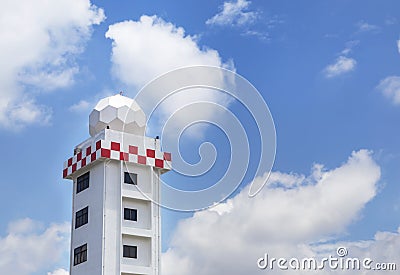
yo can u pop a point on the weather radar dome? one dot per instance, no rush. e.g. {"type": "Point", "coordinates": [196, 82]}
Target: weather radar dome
{"type": "Point", "coordinates": [118, 113]}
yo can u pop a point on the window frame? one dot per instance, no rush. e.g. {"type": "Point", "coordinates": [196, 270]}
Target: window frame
{"type": "Point", "coordinates": [80, 254]}
{"type": "Point", "coordinates": [128, 178]}
{"type": "Point", "coordinates": [82, 182]}
{"type": "Point", "coordinates": [81, 217]}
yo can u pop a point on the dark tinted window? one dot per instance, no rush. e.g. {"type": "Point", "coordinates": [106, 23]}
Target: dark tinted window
{"type": "Point", "coordinates": [130, 251]}
{"type": "Point", "coordinates": [82, 182]}
{"type": "Point", "coordinates": [130, 214]}
{"type": "Point", "coordinates": [80, 254]}
{"type": "Point", "coordinates": [81, 217]}
{"type": "Point", "coordinates": [130, 178]}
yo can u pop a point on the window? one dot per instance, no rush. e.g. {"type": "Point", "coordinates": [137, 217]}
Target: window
{"type": "Point", "coordinates": [81, 217]}
{"type": "Point", "coordinates": [130, 178]}
{"type": "Point", "coordinates": [80, 254]}
{"type": "Point", "coordinates": [130, 214]}
{"type": "Point", "coordinates": [82, 182]}
{"type": "Point", "coordinates": [130, 251]}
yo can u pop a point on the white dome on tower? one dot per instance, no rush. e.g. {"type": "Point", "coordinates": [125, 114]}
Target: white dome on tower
{"type": "Point", "coordinates": [119, 113]}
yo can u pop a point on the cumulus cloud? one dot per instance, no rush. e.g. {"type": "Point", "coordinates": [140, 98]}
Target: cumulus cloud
{"type": "Point", "coordinates": [341, 66]}
{"type": "Point", "coordinates": [39, 42]}
{"type": "Point", "coordinates": [145, 49]}
{"type": "Point", "coordinates": [149, 47]}
{"type": "Point", "coordinates": [31, 247]}
{"type": "Point", "coordinates": [234, 14]}
{"type": "Point", "coordinates": [282, 221]}
{"type": "Point", "coordinates": [390, 87]}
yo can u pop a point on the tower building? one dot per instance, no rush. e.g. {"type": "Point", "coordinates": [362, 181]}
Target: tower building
{"type": "Point", "coordinates": [115, 174]}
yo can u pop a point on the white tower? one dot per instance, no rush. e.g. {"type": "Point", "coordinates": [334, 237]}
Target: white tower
{"type": "Point", "coordinates": [115, 224]}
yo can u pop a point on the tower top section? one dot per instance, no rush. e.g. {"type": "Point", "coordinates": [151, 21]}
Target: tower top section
{"type": "Point", "coordinates": [118, 113]}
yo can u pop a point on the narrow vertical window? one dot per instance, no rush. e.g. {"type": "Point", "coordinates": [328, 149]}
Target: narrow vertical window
{"type": "Point", "coordinates": [80, 254]}
{"type": "Point", "coordinates": [82, 182]}
{"type": "Point", "coordinates": [130, 178]}
{"type": "Point", "coordinates": [82, 217]}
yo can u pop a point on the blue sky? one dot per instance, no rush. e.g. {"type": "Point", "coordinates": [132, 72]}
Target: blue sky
{"type": "Point", "coordinates": [328, 70]}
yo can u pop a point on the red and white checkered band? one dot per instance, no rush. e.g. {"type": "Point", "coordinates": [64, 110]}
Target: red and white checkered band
{"type": "Point", "coordinates": [112, 150]}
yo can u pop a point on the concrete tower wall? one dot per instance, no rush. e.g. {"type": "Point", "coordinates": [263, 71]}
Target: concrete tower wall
{"type": "Point", "coordinates": [112, 217]}
{"type": "Point", "coordinates": [92, 232]}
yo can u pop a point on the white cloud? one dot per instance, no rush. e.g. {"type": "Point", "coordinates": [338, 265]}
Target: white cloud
{"type": "Point", "coordinates": [81, 106]}
{"type": "Point", "coordinates": [30, 247]}
{"type": "Point", "coordinates": [145, 49]}
{"type": "Point", "coordinates": [237, 15]}
{"type": "Point", "coordinates": [366, 27]}
{"type": "Point", "coordinates": [39, 42]}
{"type": "Point", "coordinates": [286, 180]}
{"type": "Point", "coordinates": [284, 222]}
{"type": "Point", "coordinates": [59, 271]}
{"type": "Point", "coordinates": [264, 36]}
{"type": "Point", "coordinates": [349, 47]}
{"type": "Point", "coordinates": [341, 66]}
{"type": "Point", "coordinates": [28, 112]}
{"type": "Point", "coordinates": [390, 87]}
{"type": "Point", "coordinates": [51, 79]}
{"type": "Point", "coordinates": [383, 248]}
{"type": "Point", "coordinates": [234, 14]}
{"type": "Point", "coordinates": [86, 105]}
